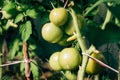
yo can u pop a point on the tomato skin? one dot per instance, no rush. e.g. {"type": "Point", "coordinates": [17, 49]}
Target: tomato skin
{"type": "Point", "coordinates": [93, 67]}
{"type": "Point", "coordinates": [63, 41]}
{"type": "Point", "coordinates": [69, 58]}
{"type": "Point", "coordinates": [69, 26]}
{"type": "Point", "coordinates": [70, 75]}
{"type": "Point", "coordinates": [53, 61]}
{"type": "Point", "coordinates": [58, 16]}
{"type": "Point", "coordinates": [51, 33]}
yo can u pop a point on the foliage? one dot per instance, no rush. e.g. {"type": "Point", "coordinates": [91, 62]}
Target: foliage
{"type": "Point", "coordinates": [21, 22]}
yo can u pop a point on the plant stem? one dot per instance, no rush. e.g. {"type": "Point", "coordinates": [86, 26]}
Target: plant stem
{"type": "Point", "coordinates": [107, 19]}
{"type": "Point", "coordinates": [82, 44]}
{"type": "Point", "coordinates": [27, 64]}
{"type": "Point", "coordinates": [95, 5]}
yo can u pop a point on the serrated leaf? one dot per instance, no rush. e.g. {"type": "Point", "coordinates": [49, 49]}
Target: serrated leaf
{"type": "Point", "coordinates": [14, 49]}
{"type": "Point", "coordinates": [19, 17]}
{"type": "Point", "coordinates": [25, 31]}
{"type": "Point", "coordinates": [32, 13]}
{"type": "Point", "coordinates": [35, 70]}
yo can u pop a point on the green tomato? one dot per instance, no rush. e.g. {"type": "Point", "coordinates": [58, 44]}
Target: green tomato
{"type": "Point", "coordinates": [70, 75]}
{"type": "Point", "coordinates": [53, 61]}
{"type": "Point", "coordinates": [69, 26]}
{"type": "Point", "coordinates": [58, 16]}
{"type": "Point", "coordinates": [63, 41]}
{"type": "Point", "coordinates": [93, 67]}
{"type": "Point", "coordinates": [51, 33]}
{"type": "Point", "coordinates": [69, 58]}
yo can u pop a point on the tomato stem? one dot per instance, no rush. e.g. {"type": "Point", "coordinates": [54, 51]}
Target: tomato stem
{"type": "Point", "coordinates": [107, 19]}
{"type": "Point", "coordinates": [52, 5]}
{"type": "Point", "coordinates": [95, 5]}
{"type": "Point", "coordinates": [83, 46]}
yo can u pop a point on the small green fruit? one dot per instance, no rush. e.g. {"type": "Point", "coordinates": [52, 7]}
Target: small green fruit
{"type": "Point", "coordinates": [69, 58]}
{"type": "Point", "coordinates": [58, 16]}
{"type": "Point", "coordinates": [53, 61]}
{"type": "Point", "coordinates": [93, 67]}
{"type": "Point", "coordinates": [51, 33]}
{"type": "Point", "coordinates": [70, 75]}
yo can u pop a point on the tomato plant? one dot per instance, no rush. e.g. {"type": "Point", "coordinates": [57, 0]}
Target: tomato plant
{"type": "Point", "coordinates": [32, 31]}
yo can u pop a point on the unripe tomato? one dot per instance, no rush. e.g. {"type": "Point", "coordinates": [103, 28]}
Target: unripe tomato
{"type": "Point", "coordinates": [63, 41]}
{"type": "Point", "coordinates": [93, 67]}
{"type": "Point", "coordinates": [53, 61]}
{"type": "Point", "coordinates": [69, 26]}
{"type": "Point", "coordinates": [58, 16]}
{"type": "Point", "coordinates": [70, 75]}
{"type": "Point", "coordinates": [69, 58]}
{"type": "Point", "coordinates": [51, 33]}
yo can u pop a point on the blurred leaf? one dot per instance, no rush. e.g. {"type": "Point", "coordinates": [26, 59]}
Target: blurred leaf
{"type": "Point", "coordinates": [25, 31]}
{"type": "Point", "coordinates": [14, 48]}
{"type": "Point", "coordinates": [8, 7]}
{"type": "Point", "coordinates": [98, 37]}
{"type": "Point", "coordinates": [1, 30]}
{"type": "Point", "coordinates": [32, 13]}
{"type": "Point", "coordinates": [22, 68]}
{"type": "Point", "coordinates": [35, 70]}
{"type": "Point", "coordinates": [19, 17]}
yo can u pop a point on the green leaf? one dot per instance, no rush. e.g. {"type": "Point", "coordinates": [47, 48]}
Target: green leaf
{"type": "Point", "coordinates": [19, 17]}
{"type": "Point", "coordinates": [32, 13]}
{"type": "Point", "coordinates": [22, 68]}
{"type": "Point", "coordinates": [8, 7]}
{"type": "Point", "coordinates": [14, 48]}
{"type": "Point", "coordinates": [35, 70]}
{"type": "Point", "coordinates": [25, 31]}
{"type": "Point", "coordinates": [1, 31]}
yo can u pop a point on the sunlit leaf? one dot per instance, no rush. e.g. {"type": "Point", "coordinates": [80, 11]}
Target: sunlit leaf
{"type": "Point", "coordinates": [32, 13]}
{"type": "Point", "coordinates": [19, 17]}
{"type": "Point", "coordinates": [25, 31]}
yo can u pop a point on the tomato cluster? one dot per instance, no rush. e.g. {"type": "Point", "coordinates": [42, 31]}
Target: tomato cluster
{"type": "Point", "coordinates": [67, 59]}
{"type": "Point", "coordinates": [58, 30]}
{"type": "Point", "coordinates": [60, 27]}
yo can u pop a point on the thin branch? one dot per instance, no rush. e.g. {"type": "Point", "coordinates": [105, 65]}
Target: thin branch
{"type": "Point", "coordinates": [11, 63]}
{"type": "Point", "coordinates": [101, 63]}
{"type": "Point", "coordinates": [107, 19]}
{"type": "Point", "coordinates": [65, 3]}
{"type": "Point", "coordinates": [95, 5]}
